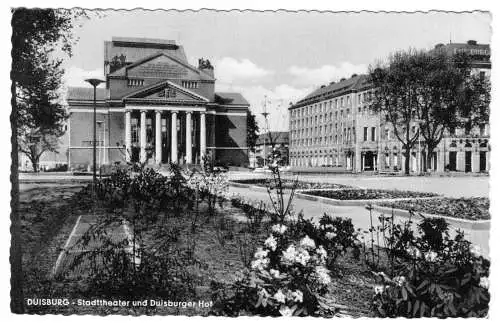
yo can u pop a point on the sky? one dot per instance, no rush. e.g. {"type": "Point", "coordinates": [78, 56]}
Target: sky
{"type": "Point", "coordinates": [275, 58]}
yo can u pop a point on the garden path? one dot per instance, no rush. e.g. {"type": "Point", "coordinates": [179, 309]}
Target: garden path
{"type": "Point", "coordinates": [359, 215]}
{"type": "Point", "coordinates": [72, 248]}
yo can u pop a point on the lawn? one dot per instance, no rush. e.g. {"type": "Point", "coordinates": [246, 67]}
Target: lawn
{"type": "Point", "coordinates": [362, 194]}
{"type": "Point", "coordinates": [476, 208]}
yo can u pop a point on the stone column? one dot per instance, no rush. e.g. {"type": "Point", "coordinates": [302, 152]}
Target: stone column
{"type": "Point", "coordinates": [488, 160]}
{"type": "Point", "coordinates": [189, 146]}
{"type": "Point", "coordinates": [128, 137]}
{"type": "Point", "coordinates": [174, 137]}
{"type": "Point", "coordinates": [362, 161]}
{"type": "Point", "coordinates": [158, 137]}
{"type": "Point", "coordinates": [143, 136]}
{"type": "Point", "coordinates": [203, 136]}
{"type": "Point", "coordinates": [461, 161]}
{"type": "Point", "coordinates": [475, 161]}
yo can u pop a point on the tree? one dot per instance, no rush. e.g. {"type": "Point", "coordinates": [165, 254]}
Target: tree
{"type": "Point", "coordinates": [252, 131]}
{"type": "Point", "coordinates": [425, 93]}
{"type": "Point", "coordinates": [42, 115]}
{"type": "Point", "coordinates": [36, 35]}
{"type": "Point", "coordinates": [39, 36]}
{"type": "Point", "coordinates": [394, 95]}
{"type": "Point", "coordinates": [449, 96]}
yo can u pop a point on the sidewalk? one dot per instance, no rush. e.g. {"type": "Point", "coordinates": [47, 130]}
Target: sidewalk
{"type": "Point", "coordinates": [359, 215]}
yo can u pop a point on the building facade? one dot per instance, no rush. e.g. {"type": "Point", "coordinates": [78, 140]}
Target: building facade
{"type": "Point", "coordinates": [156, 108]}
{"type": "Point", "coordinates": [334, 127]}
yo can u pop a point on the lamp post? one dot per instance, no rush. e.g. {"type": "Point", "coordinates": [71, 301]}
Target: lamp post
{"type": "Point", "coordinates": [94, 82]}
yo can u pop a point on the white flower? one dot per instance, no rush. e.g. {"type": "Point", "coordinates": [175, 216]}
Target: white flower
{"type": "Point", "coordinates": [278, 228]}
{"type": "Point", "coordinates": [279, 296]}
{"type": "Point", "coordinates": [298, 296]}
{"type": "Point", "coordinates": [307, 242]}
{"type": "Point", "coordinates": [292, 255]}
{"type": "Point", "coordinates": [321, 253]}
{"type": "Point", "coordinates": [274, 273]}
{"type": "Point", "coordinates": [271, 243]}
{"type": "Point", "coordinates": [400, 280]}
{"type": "Point", "coordinates": [379, 289]}
{"type": "Point", "coordinates": [260, 264]}
{"type": "Point", "coordinates": [289, 255]}
{"type": "Point", "coordinates": [286, 311]}
{"type": "Point", "coordinates": [475, 251]}
{"type": "Point", "coordinates": [484, 282]}
{"type": "Point", "coordinates": [430, 256]}
{"type": "Point", "coordinates": [302, 257]}
{"type": "Point", "coordinates": [260, 253]}
{"type": "Point", "coordinates": [316, 224]}
{"type": "Point", "coordinates": [414, 252]}
{"type": "Point", "coordinates": [330, 235]}
{"type": "Point", "coordinates": [322, 275]}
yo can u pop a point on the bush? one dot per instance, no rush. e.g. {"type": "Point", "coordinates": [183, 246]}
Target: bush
{"type": "Point", "coordinates": [435, 275]}
{"type": "Point", "coordinates": [336, 235]}
{"type": "Point", "coordinates": [289, 274]}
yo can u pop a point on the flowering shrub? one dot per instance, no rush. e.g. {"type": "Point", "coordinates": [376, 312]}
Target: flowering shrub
{"type": "Point", "coordinates": [286, 278]}
{"type": "Point", "coordinates": [335, 235]}
{"type": "Point", "coordinates": [289, 273]}
{"type": "Point", "coordinates": [436, 276]}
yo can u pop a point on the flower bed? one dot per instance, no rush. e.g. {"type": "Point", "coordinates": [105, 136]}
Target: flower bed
{"type": "Point", "coordinates": [467, 208]}
{"type": "Point", "coordinates": [288, 184]}
{"type": "Point", "coordinates": [363, 194]}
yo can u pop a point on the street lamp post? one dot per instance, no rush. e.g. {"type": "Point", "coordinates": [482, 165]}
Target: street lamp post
{"type": "Point", "coordinates": [94, 82]}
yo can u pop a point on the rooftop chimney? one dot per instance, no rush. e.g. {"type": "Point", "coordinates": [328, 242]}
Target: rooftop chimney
{"type": "Point", "coordinates": [471, 42]}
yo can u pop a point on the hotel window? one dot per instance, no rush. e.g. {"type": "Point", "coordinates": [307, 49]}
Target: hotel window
{"type": "Point", "coordinates": [482, 75]}
{"type": "Point", "coordinates": [359, 98]}
{"type": "Point", "coordinates": [135, 82]}
{"type": "Point", "coordinates": [373, 133]}
{"type": "Point", "coordinates": [482, 129]}
{"type": "Point", "coordinates": [387, 163]}
{"type": "Point", "coordinates": [348, 100]}
{"type": "Point", "coordinates": [365, 133]}
{"type": "Point", "coordinates": [336, 103]}
{"type": "Point", "coordinates": [342, 101]}
{"type": "Point", "coordinates": [348, 134]}
{"type": "Point", "coordinates": [387, 134]}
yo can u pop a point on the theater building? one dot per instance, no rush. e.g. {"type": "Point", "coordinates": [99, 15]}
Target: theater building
{"type": "Point", "coordinates": [156, 108]}
{"type": "Point", "coordinates": [334, 128]}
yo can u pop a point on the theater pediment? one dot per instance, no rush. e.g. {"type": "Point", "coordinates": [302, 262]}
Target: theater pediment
{"type": "Point", "coordinates": [165, 90]}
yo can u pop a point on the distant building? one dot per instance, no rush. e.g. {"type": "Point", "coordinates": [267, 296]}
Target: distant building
{"type": "Point", "coordinates": [269, 141]}
{"type": "Point", "coordinates": [333, 127]}
{"type": "Point", "coordinates": [156, 102]}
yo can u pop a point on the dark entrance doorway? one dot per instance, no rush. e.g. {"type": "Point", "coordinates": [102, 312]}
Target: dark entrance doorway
{"type": "Point", "coordinates": [468, 161]}
{"type": "Point", "coordinates": [452, 165]}
{"type": "Point", "coordinates": [482, 161]}
{"type": "Point", "coordinates": [369, 161]}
